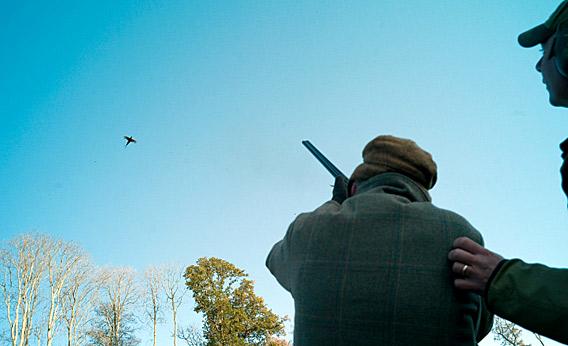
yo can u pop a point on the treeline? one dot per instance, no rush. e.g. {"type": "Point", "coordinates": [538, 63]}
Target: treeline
{"type": "Point", "coordinates": [50, 288]}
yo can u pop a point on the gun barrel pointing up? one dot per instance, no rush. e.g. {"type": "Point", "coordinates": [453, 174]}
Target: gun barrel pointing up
{"type": "Point", "coordinates": [334, 171]}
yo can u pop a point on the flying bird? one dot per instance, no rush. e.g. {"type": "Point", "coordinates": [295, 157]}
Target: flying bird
{"type": "Point", "coordinates": [129, 140]}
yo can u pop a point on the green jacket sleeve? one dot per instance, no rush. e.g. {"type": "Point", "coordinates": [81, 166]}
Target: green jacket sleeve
{"type": "Point", "coordinates": [533, 296]}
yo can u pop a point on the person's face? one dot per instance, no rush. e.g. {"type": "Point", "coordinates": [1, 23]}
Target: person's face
{"type": "Point", "coordinates": [556, 84]}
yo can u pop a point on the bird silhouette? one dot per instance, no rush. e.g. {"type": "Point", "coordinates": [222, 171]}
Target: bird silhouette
{"type": "Point", "coordinates": [129, 140]}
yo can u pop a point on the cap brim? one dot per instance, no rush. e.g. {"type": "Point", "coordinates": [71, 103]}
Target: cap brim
{"type": "Point", "coordinates": [537, 35]}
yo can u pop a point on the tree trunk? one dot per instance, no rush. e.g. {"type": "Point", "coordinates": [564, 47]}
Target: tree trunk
{"type": "Point", "coordinates": [155, 331]}
{"type": "Point", "coordinates": [174, 321]}
{"type": "Point", "coordinates": [68, 336]}
{"type": "Point", "coordinates": [49, 336]}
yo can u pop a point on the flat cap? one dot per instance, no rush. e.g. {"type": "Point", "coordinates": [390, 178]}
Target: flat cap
{"type": "Point", "coordinates": [392, 154]}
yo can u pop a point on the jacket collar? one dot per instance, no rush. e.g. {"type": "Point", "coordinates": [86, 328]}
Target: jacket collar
{"type": "Point", "coordinates": [396, 184]}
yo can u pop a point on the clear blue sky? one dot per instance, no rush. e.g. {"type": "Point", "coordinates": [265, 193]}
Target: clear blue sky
{"type": "Point", "coordinates": [220, 94]}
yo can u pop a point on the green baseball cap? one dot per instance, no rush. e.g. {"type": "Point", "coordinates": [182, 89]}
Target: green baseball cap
{"type": "Point", "coordinates": [541, 33]}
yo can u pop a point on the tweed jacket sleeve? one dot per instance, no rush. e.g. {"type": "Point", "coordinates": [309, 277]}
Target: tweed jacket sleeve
{"type": "Point", "coordinates": [279, 261]}
{"type": "Point", "coordinates": [532, 296]}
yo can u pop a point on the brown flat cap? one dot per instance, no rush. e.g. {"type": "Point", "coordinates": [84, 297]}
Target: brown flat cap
{"type": "Point", "coordinates": [391, 154]}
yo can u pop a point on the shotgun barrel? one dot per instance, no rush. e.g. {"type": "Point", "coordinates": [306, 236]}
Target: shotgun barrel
{"type": "Point", "coordinates": [323, 160]}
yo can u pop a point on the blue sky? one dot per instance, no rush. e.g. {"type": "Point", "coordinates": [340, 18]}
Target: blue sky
{"type": "Point", "coordinates": [220, 94]}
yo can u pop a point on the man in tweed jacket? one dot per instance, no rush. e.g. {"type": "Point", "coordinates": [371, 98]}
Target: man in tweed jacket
{"type": "Point", "coordinates": [372, 270]}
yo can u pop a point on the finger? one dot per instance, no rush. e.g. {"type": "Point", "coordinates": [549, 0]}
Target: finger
{"type": "Point", "coordinates": [459, 255]}
{"type": "Point", "coordinates": [469, 285]}
{"type": "Point", "coordinates": [457, 267]}
{"type": "Point", "coordinates": [340, 180]}
{"type": "Point", "coordinates": [468, 245]}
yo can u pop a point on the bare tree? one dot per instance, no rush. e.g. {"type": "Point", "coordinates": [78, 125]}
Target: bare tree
{"type": "Point", "coordinates": [153, 297]}
{"type": "Point", "coordinates": [79, 298]}
{"type": "Point", "coordinates": [174, 289]}
{"type": "Point", "coordinates": [539, 339]}
{"type": "Point", "coordinates": [23, 264]}
{"type": "Point", "coordinates": [507, 333]}
{"type": "Point", "coordinates": [114, 324]}
{"type": "Point", "coordinates": [37, 331]}
{"type": "Point", "coordinates": [61, 260]}
{"type": "Point", "coordinates": [192, 336]}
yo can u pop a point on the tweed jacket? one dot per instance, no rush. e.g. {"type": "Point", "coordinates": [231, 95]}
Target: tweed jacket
{"type": "Point", "coordinates": [374, 271]}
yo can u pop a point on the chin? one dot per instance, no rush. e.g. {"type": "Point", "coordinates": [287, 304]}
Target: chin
{"type": "Point", "coordinates": [558, 102]}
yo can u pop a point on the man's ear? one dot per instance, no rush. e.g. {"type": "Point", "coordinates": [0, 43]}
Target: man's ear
{"type": "Point", "coordinates": [561, 67]}
{"type": "Point", "coordinates": [351, 188]}
{"type": "Point", "coordinates": [559, 51]}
